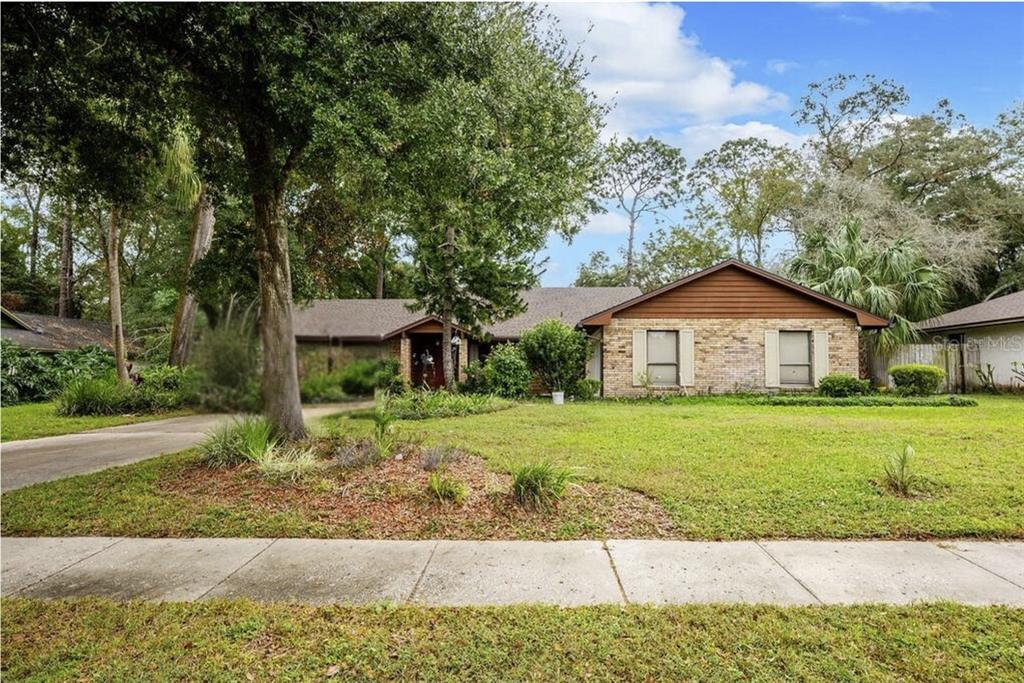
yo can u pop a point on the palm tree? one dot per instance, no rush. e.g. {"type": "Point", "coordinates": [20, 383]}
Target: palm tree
{"type": "Point", "coordinates": [893, 281]}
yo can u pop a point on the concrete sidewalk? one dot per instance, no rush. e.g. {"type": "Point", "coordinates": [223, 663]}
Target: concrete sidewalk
{"type": "Point", "coordinates": [54, 457]}
{"type": "Point", "coordinates": [513, 572]}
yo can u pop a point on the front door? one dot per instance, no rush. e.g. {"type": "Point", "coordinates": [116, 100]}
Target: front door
{"type": "Point", "coordinates": [427, 360]}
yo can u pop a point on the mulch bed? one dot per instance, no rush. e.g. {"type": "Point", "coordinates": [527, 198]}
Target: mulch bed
{"type": "Point", "coordinates": [391, 499]}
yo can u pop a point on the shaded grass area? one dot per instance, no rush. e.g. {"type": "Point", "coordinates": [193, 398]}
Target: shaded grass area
{"type": "Point", "coordinates": [730, 471]}
{"type": "Point", "coordinates": [35, 420]}
{"type": "Point", "coordinates": [240, 640]}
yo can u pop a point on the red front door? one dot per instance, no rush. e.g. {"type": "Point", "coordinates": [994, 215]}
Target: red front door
{"type": "Point", "coordinates": [427, 360]}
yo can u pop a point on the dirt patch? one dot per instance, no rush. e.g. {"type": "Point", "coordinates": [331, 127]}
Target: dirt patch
{"type": "Point", "coordinates": [391, 499]}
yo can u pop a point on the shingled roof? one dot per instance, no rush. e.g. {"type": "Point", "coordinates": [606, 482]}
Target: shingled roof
{"type": "Point", "coordinates": [375, 319]}
{"type": "Point", "coordinates": [49, 333]}
{"type": "Point", "coordinates": [998, 311]}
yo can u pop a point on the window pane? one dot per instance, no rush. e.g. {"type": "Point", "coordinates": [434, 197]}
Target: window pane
{"type": "Point", "coordinates": [795, 374]}
{"type": "Point", "coordinates": [661, 346]}
{"type": "Point", "coordinates": [663, 374]}
{"type": "Point", "coordinates": [794, 347]}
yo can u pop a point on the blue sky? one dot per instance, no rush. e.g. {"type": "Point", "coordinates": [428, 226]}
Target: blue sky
{"type": "Point", "coordinates": [697, 74]}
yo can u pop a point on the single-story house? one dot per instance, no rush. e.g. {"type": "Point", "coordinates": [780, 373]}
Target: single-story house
{"type": "Point", "coordinates": [50, 334]}
{"type": "Point", "coordinates": [731, 327]}
{"type": "Point", "coordinates": [987, 334]}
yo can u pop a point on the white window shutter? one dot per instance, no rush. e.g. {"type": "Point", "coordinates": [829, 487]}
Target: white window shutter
{"type": "Point", "coordinates": [820, 355]}
{"type": "Point", "coordinates": [771, 358]}
{"type": "Point", "coordinates": [686, 358]}
{"type": "Point", "coordinates": [639, 356]}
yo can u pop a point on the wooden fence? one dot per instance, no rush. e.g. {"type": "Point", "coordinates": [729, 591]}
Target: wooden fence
{"type": "Point", "coordinates": [948, 356]}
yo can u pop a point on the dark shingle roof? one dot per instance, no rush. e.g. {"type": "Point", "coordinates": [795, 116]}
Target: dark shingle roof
{"type": "Point", "coordinates": [375, 318]}
{"type": "Point", "coordinates": [50, 333]}
{"type": "Point", "coordinates": [1004, 309]}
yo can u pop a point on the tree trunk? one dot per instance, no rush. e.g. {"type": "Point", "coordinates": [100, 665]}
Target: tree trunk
{"type": "Point", "coordinates": [67, 264]}
{"type": "Point", "coordinates": [629, 251]}
{"type": "Point", "coordinates": [114, 277]}
{"type": "Point", "coordinates": [381, 266]}
{"type": "Point", "coordinates": [446, 312]}
{"type": "Point", "coordinates": [33, 239]}
{"type": "Point", "coordinates": [185, 314]}
{"type": "Point", "coordinates": [281, 400]}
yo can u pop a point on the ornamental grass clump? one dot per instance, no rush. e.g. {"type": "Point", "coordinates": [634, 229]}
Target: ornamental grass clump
{"type": "Point", "coordinates": [899, 477]}
{"type": "Point", "coordinates": [539, 486]}
{"type": "Point", "coordinates": [446, 489]}
{"type": "Point", "coordinates": [237, 442]}
{"type": "Point", "coordinates": [288, 465]}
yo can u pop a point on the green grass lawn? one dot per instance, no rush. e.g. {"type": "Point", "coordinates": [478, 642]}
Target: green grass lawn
{"type": "Point", "coordinates": [720, 470]}
{"type": "Point", "coordinates": [238, 640]}
{"type": "Point", "coordinates": [33, 420]}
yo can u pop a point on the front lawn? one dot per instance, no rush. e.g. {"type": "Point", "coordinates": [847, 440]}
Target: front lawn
{"type": "Point", "coordinates": [240, 640]}
{"type": "Point", "coordinates": [706, 470]}
{"type": "Point", "coordinates": [34, 420]}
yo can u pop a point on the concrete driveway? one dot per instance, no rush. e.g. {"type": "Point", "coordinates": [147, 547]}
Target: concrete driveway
{"type": "Point", "coordinates": [54, 457]}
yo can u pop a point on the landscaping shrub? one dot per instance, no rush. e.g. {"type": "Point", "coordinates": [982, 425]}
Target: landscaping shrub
{"type": "Point", "coordinates": [839, 385]}
{"type": "Point", "coordinates": [915, 379]}
{"type": "Point", "coordinates": [506, 372]}
{"type": "Point", "coordinates": [384, 438]}
{"type": "Point", "coordinates": [476, 381]}
{"type": "Point", "coordinates": [95, 396]}
{"type": "Point", "coordinates": [239, 441]}
{"type": "Point", "coordinates": [446, 489]}
{"type": "Point", "coordinates": [585, 389]}
{"type": "Point", "coordinates": [539, 486]}
{"type": "Point", "coordinates": [556, 352]}
{"type": "Point", "coordinates": [873, 400]}
{"type": "Point", "coordinates": [353, 453]}
{"type": "Point", "coordinates": [322, 387]}
{"type": "Point", "coordinates": [421, 405]}
{"type": "Point", "coordinates": [288, 464]}
{"type": "Point", "coordinates": [436, 457]}
{"type": "Point", "coordinates": [359, 378]}
{"type": "Point", "coordinates": [228, 361]}
{"type": "Point", "coordinates": [389, 376]}
{"type": "Point", "coordinates": [899, 477]}
{"type": "Point", "coordinates": [27, 375]}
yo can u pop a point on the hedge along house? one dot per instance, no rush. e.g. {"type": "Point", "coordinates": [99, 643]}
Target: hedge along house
{"type": "Point", "coordinates": [732, 327]}
{"type": "Point", "coordinates": [333, 332]}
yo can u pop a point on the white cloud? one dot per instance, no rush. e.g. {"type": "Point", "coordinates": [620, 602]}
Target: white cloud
{"type": "Point", "coordinates": [918, 7]}
{"type": "Point", "coordinates": [780, 66]}
{"type": "Point", "coordinates": [657, 75]}
{"type": "Point", "coordinates": [610, 223]}
{"type": "Point", "coordinates": [698, 139]}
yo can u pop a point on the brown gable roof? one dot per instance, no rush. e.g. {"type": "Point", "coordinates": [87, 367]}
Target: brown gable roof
{"type": "Point", "coordinates": [1001, 310]}
{"type": "Point", "coordinates": [50, 333]}
{"type": "Point", "coordinates": [749, 308]}
{"type": "Point", "coordinates": [378, 319]}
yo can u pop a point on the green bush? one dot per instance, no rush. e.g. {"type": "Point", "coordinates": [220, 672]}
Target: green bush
{"type": "Point", "coordinates": [227, 359]}
{"type": "Point", "coordinates": [539, 486]}
{"type": "Point", "coordinates": [476, 380]}
{"type": "Point", "coordinates": [585, 389]}
{"type": "Point", "coordinates": [556, 352]}
{"type": "Point", "coordinates": [421, 405]}
{"type": "Point", "coordinates": [914, 379]}
{"type": "Point", "coordinates": [361, 377]}
{"type": "Point", "coordinates": [506, 372]}
{"type": "Point", "coordinates": [898, 476]}
{"type": "Point", "coordinates": [389, 376]}
{"type": "Point", "coordinates": [865, 401]}
{"type": "Point", "coordinates": [238, 441]}
{"type": "Point", "coordinates": [322, 387]}
{"type": "Point", "coordinates": [96, 396]}
{"type": "Point", "coordinates": [446, 489]}
{"type": "Point", "coordinates": [27, 375]}
{"type": "Point", "coordinates": [839, 385]}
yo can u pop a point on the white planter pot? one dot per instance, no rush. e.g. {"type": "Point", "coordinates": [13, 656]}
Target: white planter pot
{"type": "Point", "coordinates": [558, 397]}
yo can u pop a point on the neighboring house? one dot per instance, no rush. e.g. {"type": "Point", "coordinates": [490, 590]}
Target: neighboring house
{"type": "Point", "coordinates": [987, 334]}
{"type": "Point", "coordinates": [729, 328]}
{"type": "Point", "coordinates": [50, 334]}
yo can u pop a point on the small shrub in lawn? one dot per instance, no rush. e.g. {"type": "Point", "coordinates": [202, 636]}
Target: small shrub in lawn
{"type": "Point", "coordinates": [839, 385]}
{"type": "Point", "coordinates": [237, 442]}
{"type": "Point", "coordinates": [288, 464]}
{"type": "Point", "coordinates": [436, 457]}
{"type": "Point", "coordinates": [899, 477]}
{"type": "Point", "coordinates": [914, 379]}
{"type": "Point", "coordinates": [539, 486]}
{"type": "Point", "coordinates": [446, 489]}
{"type": "Point", "coordinates": [506, 372]}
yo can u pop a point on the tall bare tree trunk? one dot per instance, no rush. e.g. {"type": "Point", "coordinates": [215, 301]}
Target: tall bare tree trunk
{"type": "Point", "coordinates": [67, 264]}
{"type": "Point", "coordinates": [446, 314]}
{"type": "Point", "coordinates": [185, 314]}
{"type": "Point", "coordinates": [629, 251]}
{"type": "Point", "coordinates": [281, 400]}
{"type": "Point", "coordinates": [381, 266]}
{"type": "Point", "coordinates": [114, 277]}
{"type": "Point", "coordinates": [33, 239]}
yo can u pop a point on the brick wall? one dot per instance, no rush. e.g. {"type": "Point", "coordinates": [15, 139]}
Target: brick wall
{"type": "Point", "coordinates": [728, 352]}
